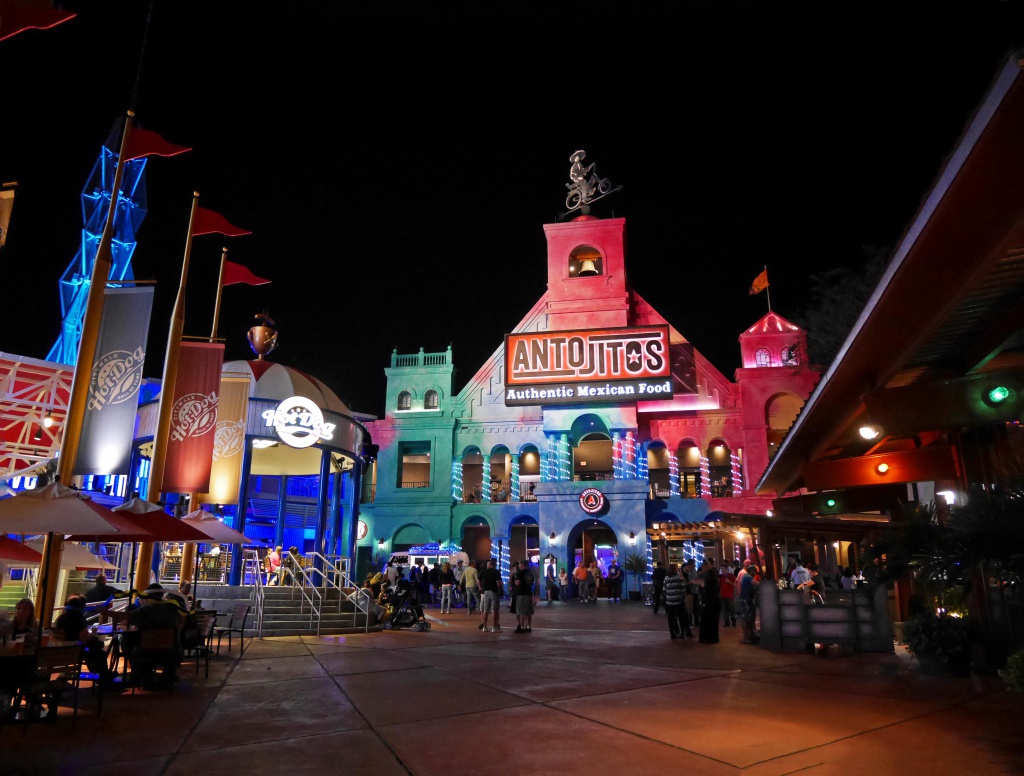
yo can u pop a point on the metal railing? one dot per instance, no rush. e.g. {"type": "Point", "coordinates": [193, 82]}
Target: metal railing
{"type": "Point", "coordinates": [254, 570]}
{"type": "Point", "coordinates": [307, 589]}
{"type": "Point", "coordinates": [340, 567]}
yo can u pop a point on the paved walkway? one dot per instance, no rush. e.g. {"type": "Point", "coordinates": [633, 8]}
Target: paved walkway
{"type": "Point", "coordinates": [597, 687]}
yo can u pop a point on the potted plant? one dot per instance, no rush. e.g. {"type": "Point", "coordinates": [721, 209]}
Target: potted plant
{"type": "Point", "coordinates": [1013, 672]}
{"type": "Point", "coordinates": [636, 565]}
{"type": "Point", "coordinates": [940, 642]}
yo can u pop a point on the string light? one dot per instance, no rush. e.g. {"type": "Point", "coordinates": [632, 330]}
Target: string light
{"type": "Point", "coordinates": [705, 477]}
{"type": "Point", "coordinates": [642, 472]}
{"type": "Point", "coordinates": [737, 474]}
{"type": "Point", "coordinates": [514, 479]}
{"type": "Point", "coordinates": [485, 485]}
{"type": "Point", "coordinates": [457, 481]}
{"type": "Point", "coordinates": [616, 456]}
{"type": "Point", "coordinates": [673, 474]}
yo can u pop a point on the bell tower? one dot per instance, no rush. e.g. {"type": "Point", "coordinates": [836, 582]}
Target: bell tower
{"type": "Point", "coordinates": [587, 274]}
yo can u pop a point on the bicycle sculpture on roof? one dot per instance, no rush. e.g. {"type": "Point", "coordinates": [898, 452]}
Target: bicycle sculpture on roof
{"type": "Point", "coordinates": [584, 190]}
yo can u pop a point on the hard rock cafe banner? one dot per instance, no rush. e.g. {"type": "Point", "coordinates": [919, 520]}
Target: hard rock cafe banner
{"type": "Point", "coordinates": [192, 432]}
{"type": "Point", "coordinates": [229, 440]}
{"type": "Point", "coordinates": [109, 422]}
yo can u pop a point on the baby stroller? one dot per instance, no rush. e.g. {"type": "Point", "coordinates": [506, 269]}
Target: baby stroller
{"type": "Point", "coordinates": [400, 611]}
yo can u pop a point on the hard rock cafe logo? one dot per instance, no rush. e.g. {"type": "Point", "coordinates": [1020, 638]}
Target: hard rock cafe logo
{"type": "Point", "coordinates": [193, 415]}
{"type": "Point", "coordinates": [228, 439]}
{"type": "Point", "coordinates": [116, 377]}
{"type": "Point", "coordinates": [298, 422]}
{"type": "Point", "coordinates": [592, 501]}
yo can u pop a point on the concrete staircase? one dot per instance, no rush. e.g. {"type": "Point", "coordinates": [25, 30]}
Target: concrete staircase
{"type": "Point", "coordinates": [283, 611]}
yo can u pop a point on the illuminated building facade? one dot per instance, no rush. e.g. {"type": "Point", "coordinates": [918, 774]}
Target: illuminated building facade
{"type": "Point", "coordinates": [593, 421]}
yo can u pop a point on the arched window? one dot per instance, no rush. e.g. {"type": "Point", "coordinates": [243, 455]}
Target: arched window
{"type": "Point", "coordinates": [405, 400]}
{"type": "Point", "coordinates": [585, 261]}
{"type": "Point", "coordinates": [430, 400]}
{"type": "Point", "coordinates": [763, 357]}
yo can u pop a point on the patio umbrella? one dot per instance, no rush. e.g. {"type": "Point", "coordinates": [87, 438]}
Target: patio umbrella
{"type": "Point", "coordinates": [74, 556]}
{"type": "Point", "coordinates": [218, 533]}
{"type": "Point", "coordinates": [54, 509]}
{"type": "Point", "coordinates": [160, 526]}
{"type": "Point", "coordinates": [14, 552]}
{"type": "Point", "coordinates": [215, 530]}
{"type": "Point", "coordinates": [58, 509]}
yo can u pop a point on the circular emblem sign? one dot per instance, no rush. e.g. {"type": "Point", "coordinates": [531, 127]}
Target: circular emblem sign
{"type": "Point", "coordinates": [361, 530]}
{"type": "Point", "coordinates": [298, 422]}
{"type": "Point", "coordinates": [592, 501]}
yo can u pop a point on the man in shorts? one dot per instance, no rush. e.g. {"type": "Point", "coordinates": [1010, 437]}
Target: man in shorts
{"type": "Point", "coordinates": [490, 582]}
{"type": "Point", "coordinates": [525, 595]}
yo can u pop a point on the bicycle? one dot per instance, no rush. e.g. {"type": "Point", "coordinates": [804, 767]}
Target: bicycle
{"type": "Point", "coordinates": [647, 593]}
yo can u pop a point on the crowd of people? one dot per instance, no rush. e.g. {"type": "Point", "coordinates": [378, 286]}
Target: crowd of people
{"type": "Point", "coordinates": [697, 600]}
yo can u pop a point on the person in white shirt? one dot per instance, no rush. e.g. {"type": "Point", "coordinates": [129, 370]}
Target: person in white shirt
{"type": "Point", "coordinates": [800, 575]}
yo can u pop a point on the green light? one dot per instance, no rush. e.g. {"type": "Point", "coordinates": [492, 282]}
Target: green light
{"type": "Point", "coordinates": [998, 394]}
{"type": "Point", "coordinates": [830, 503]}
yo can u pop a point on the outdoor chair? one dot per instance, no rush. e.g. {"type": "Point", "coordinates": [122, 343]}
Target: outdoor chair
{"type": "Point", "coordinates": [197, 642]}
{"type": "Point", "coordinates": [236, 624]}
{"type": "Point", "coordinates": [158, 648]}
{"type": "Point", "coordinates": [57, 672]}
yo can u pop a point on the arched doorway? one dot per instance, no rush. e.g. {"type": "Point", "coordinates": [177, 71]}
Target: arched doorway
{"type": "Point", "coordinates": [689, 470]}
{"type": "Point", "coordinates": [529, 472]}
{"type": "Point", "coordinates": [591, 540]}
{"type": "Point", "coordinates": [658, 469]}
{"type": "Point", "coordinates": [720, 468]}
{"type": "Point", "coordinates": [524, 539]}
{"type": "Point", "coordinates": [500, 474]}
{"type": "Point", "coordinates": [476, 538]}
{"type": "Point", "coordinates": [472, 476]}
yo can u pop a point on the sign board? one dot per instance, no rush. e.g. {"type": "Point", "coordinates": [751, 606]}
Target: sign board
{"type": "Point", "coordinates": [588, 365]}
{"type": "Point", "coordinates": [592, 501]}
{"type": "Point", "coordinates": [298, 422]}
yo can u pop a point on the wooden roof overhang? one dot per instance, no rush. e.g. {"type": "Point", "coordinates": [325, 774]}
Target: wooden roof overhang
{"type": "Point", "coordinates": [692, 531]}
{"type": "Point", "coordinates": [945, 321]}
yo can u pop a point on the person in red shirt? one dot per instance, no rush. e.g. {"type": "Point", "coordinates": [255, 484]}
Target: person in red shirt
{"type": "Point", "coordinates": [727, 578]}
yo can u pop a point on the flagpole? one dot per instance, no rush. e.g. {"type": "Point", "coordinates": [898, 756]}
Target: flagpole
{"type": "Point", "coordinates": [170, 376]}
{"type": "Point", "coordinates": [54, 544]}
{"type": "Point", "coordinates": [768, 289]}
{"type": "Point", "coordinates": [220, 290]}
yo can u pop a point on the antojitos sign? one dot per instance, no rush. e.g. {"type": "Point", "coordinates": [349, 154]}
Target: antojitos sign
{"type": "Point", "coordinates": [587, 365]}
{"type": "Point", "coordinates": [592, 501]}
{"type": "Point", "coordinates": [298, 422]}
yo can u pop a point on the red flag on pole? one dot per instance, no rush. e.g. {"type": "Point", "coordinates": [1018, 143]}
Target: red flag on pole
{"type": "Point", "coordinates": [17, 16]}
{"type": "Point", "coordinates": [208, 222]}
{"type": "Point", "coordinates": [236, 273]}
{"type": "Point", "coordinates": [144, 142]}
{"type": "Point", "coordinates": [760, 283]}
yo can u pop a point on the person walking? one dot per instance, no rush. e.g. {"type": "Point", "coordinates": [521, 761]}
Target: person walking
{"type": "Point", "coordinates": [582, 589]}
{"type": "Point", "coordinates": [446, 578]}
{"type": "Point", "coordinates": [748, 604]}
{"type": "Point", "coordinates": [563, 584]}
{"type": "Point", "coordinates": [658, 580]}
{"type": "Point", "coordinates": [471, 586]}
{"type": "Point", "coordinates": [526, 594]}
{"type": "Point", "coordinates": [673, 594]}
{"type": "Point", "coordinates": [710, 602]}
{"type": "Point", "coordinates": [727, 595]}
{"type": "Point", "coordinates": [490, 582]}
{"type": "Point", "coordinates": [615, 581]}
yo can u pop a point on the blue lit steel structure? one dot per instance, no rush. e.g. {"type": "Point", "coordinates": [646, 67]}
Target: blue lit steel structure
{"type": "Point", "coordinates": [131, 209]}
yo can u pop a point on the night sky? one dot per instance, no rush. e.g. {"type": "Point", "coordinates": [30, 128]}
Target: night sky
{"type": "Point", "coordinates": [396, 161]}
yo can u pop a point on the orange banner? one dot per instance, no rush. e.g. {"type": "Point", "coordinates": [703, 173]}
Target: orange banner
{"type": "Point", "coordinates": [229, 442]}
